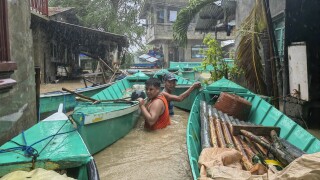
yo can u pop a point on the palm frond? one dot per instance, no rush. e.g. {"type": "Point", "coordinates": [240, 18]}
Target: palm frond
{"type": "Point", "coordinates": [184, 18]}
{"type": "Point", "coordinates": [248, 50]}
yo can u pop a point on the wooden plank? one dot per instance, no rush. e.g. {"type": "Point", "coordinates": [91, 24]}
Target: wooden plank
{"type": "Point", "coordinates": [256, 130]}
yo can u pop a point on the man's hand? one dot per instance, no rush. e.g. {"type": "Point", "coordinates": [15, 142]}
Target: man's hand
{"type": "Point", "coordinates": [196, 85]}
{"type": "Point", "coordinates": [141, 101]}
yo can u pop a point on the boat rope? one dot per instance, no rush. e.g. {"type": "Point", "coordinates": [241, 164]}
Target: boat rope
{"type": "Point", "coordinates": [28, 150]}
{"type": "Point", "coordinates": [54, 135]}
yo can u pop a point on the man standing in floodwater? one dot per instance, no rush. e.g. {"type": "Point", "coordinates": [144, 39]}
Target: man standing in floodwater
{"type": "Point", "coordinates": [170, 82]}
{"type": "Point", "coordinates": [155, 111]}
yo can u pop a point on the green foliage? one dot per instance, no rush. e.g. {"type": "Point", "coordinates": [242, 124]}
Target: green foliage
{"type": "Point", "coordinates": [214, 56]}
{"type": "Point", "coordinates": [127, 61]}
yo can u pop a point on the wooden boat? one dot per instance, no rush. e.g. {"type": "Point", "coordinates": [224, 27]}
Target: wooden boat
{"type": "Point", "coordinates": [51, 100]}
{"type": "Point", "coordinates": [52, 144]}
{"type": "Point", "coordinates": [102, 124]}
{"type": "Point", "coordinates": [261, 113]}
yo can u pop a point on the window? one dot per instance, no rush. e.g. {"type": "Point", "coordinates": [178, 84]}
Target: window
{"type": "Point", "coordinates": [160, 16]}
{"type": "Point", "coordinates": [196, 51]}
{"type": "Point", "coordinates": [172, 16]}
{"type": "Point", "coordinates": [6, 65]}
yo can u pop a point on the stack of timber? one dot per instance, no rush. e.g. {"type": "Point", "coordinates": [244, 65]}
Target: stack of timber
{"type": "Point", "coordinates": [266, 136]}
{"type": "Point", "coordinates": [52, 144]}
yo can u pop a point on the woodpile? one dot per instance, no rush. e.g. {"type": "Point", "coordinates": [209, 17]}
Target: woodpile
{"type": "Point", "coordinates": [256, 144]}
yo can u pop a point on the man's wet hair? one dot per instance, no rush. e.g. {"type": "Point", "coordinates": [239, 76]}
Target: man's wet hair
{"type": "Point", "coordinates": [153, 82]}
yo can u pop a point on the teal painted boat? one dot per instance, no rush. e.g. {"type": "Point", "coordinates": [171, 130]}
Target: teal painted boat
{"type": "Point", "coordinates": [262, 113]}
{"type": "Point", "coordinates": [102, 124]}
{"type": "Point", "coordinates": [52, 144]}
{"type": "Point", "coordinates": [51, 100]}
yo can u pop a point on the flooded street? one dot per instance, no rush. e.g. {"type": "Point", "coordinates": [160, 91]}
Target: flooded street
{"type": "Point", "coordinates": [69, 84]}
{"type": "Point", "coordinates": [152, 155]}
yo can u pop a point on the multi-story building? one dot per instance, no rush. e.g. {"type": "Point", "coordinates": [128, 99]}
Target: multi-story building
{"type": "Point", "coordinates": [160, 16]}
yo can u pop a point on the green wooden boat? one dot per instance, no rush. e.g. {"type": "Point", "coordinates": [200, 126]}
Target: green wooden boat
{"type": "Point", "coordinates": [52, 144]}
{"type": "Point", "coordinates": [51, 100]}
{"type": "Point", "coordinates": [102, 124]}
{"type": "Point", "coordinates": [262, 113]}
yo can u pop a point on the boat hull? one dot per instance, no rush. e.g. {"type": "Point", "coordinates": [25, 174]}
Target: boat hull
{"type": "Point", "coordinates": [186, 104]}
{"type": "Point", "coordinates": [50, 101]}
{"type": "Point", "coordinates": [104, 123]}
{"type": "Point", "coordinates": [100, 130]}
{"type": "Point", "coordinates": [262, 113]}
{"type": "Point", "coordinates": [57, 144]}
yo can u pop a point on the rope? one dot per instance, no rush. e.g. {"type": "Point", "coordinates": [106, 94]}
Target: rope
{"type": "Point", "coordinates": [29, 151]}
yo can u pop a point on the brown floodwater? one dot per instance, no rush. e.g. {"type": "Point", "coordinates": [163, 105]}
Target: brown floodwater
{"type": "Point", "coordinates": [69, 84]}
{"type": "Point", "coordinates": [142, 154]}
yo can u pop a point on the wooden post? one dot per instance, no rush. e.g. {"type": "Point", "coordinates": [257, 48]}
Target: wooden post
{"type": "Point", "coordinates": [38, 81]}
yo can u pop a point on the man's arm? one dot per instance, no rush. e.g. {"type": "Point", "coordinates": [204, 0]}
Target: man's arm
{"type": "Point", "coordinates": [156, 109]}
{"type": "Point", "coordinates": [181, 97]}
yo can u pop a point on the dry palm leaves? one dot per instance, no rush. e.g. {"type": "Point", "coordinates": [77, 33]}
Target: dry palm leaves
{"type": "Point", "coordinates": [248, 51]}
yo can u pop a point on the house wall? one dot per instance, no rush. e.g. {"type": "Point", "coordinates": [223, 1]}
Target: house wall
{"type": "Point", "coordinates": [18, 105]}
{"type": "Point", "coordinates": [161, 34]}
{"type": "Point", "coordinates": [41, 50]}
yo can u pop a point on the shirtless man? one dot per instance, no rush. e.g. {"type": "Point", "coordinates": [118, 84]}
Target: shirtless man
{"type": "Point", "coordinates": [170, 82]}
{"type": "Point", "coordinates": [155, 111]}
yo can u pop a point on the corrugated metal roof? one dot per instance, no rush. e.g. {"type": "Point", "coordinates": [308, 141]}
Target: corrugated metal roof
{"type": "Point", "coordinates": [213, 11]}
{"type": "Point", "coordinates": [80, 31]}
{"type": "Point", "coordinates": [212, 14]}
{"type": "Point", "coordinates": [56, 10]}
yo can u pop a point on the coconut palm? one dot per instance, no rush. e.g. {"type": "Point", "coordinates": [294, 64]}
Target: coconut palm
{"type": "Point", "coordinates": [184, 18]}
{"type": "Point", "coordinates": [248, 52]}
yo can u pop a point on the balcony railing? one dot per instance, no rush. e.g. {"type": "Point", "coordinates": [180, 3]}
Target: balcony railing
{"type": "Point", "coordinates": [39, 6]}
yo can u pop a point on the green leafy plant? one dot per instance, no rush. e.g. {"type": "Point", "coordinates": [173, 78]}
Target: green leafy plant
{"type": "Point", "coordinates": [214, 57]}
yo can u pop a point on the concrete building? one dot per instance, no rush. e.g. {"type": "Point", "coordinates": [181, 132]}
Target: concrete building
{"type": "Point", "coordinates": [17, 74]}
{"type": "Point", "coordinates": [160, 16]}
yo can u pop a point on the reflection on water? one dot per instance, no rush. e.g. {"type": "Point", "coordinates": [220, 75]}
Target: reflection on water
{"type": "Point", "coordinates": [148, 155]}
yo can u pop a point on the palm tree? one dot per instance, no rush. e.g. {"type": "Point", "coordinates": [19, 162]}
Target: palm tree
{"type": "Point", "coordinates": [184, 18]}
{"type": "Point", "coordinates": [248, 56]}
{"type": "Point", "coordinates": [248, 51]}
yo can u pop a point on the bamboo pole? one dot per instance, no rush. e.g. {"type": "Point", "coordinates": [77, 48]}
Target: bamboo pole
{"type": "Point", "coordinates": [213, 132]}
{"type": "Point", "coordinates": [205, 138]}
{"type": "Point", "coordinates": [220, 136]}
{"type": "Point", "coordinates": [226, 131]}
